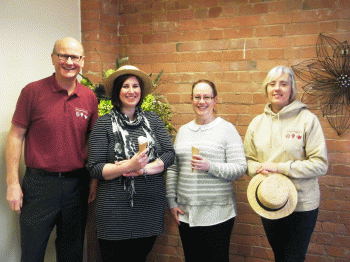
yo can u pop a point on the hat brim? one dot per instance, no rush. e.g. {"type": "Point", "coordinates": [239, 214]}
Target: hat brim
{"type": "Point", "coordinates": [285, 211]}
{"type": "Point", "coordinates": [146, 79]}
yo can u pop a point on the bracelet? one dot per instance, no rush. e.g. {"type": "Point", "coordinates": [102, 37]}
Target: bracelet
{"type": "Point", "coordinates": [145, 173]}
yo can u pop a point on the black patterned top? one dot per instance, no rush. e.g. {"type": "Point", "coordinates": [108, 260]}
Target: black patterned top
{"type": "Point", "coordinates": [115, 218]}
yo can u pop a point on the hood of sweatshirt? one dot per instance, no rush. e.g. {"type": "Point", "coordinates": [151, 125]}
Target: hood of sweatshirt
{"type": "Point", "coordinates": [288, 111]}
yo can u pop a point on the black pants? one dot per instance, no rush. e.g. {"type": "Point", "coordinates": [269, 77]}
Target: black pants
{"type": "Point", "coordinates": [128, 250]}
{"type": "Point", "coordinates": [50, 201]}
{"type": "Point", "coordinates": [210, 243]}
{"type": "Point", "coordinates": [290, 236]}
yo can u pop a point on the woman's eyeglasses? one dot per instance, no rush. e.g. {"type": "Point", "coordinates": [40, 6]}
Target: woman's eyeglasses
{"type": "Point", "coordinates": [205, 98]}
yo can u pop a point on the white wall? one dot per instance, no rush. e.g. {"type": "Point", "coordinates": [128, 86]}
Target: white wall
{"type": "Point", "coordinates": [28, 30]}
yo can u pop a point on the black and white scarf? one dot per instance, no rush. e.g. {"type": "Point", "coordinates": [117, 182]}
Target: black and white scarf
{"type": "Point", "coordinates": [124, 148]}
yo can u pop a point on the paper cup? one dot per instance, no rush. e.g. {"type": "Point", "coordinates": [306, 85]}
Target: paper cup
{"type": "Point", "coordinates": [142, 147]}
{"type": "Point", "coordinates": [195, 151]}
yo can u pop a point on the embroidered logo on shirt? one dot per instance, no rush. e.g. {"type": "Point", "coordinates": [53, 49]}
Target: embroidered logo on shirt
{"type": "Point", "coordinates": [81, 113]}
{"type": "Point", "coordinates": [293, 134]}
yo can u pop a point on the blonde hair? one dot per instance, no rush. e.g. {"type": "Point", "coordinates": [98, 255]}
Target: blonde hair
{"type": "Point", "coordinates": [275, 73]}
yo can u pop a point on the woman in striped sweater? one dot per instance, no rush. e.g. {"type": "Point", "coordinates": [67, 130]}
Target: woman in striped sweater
{"type": "Point", "coordinates": [130, 199]}
{"type": "Point", "coordinates": [199, 187]}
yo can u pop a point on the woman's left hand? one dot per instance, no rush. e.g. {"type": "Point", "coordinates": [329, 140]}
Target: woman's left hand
{"type": "Point", "coordinates": [267, 167]}
{"type": "Point", "coordinates": [93, 190]}
{"type": "Point", "coordinates": [134, 173]}
{"type": "Point", "coordinates": [200, 163]}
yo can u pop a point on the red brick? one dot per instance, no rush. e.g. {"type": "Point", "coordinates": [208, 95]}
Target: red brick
{"type": "Point", "coordinates": [344, 4]}
{"type": "Point", "coordinates": [201, 13]}
{"type": "Point", "coordinates": [128, 9]}
{"type": "Point", "coordinates": [134, 39]}
{"type": "Point", "coordinates": [146, 18]}
{"type": "Point", "coordinates": [275, 42]}
{"type": "Point", "coordinates": [209, 56]}
{"type": "Point", "coordinates": [278, 7]}
{"type": "Point", "coordinates": [317, 4]}
{"type": "Point", "coordinates": [309, 16]}
{"type": "Point", "coordinates": [215, 12]}
{"type": "Point", "coordinates": [90, 25]}
{"type": "Point", "coordinates": [111, 9]}
{"type": "Point", "coordinates": [217, 23]}
{"type": "Point", "coordinates": [343, 25]}
{"type": "Point", "coordinates": [238, 32]}
{"type": "Point", "coordinates": [173, 16]}
{"type": "Point", "coordinates": [188, 46]}
{"type": "Point", "coordinates": [195, 35]}
{"type": "Point", "coordinates": [137, 29]}
{"type": "Point", "coordinates": [163, 27]}
{"type": "Point", "coordinates": [337, 252]}
{"type": "Point", "coordinates": [276, 54]}
{"type": "Point", "coordinates": [109, 29]}
{"type": "Point", "coordinates": [230, 11]}
{"type": "Point", "coordinates": [273, 19]}
{"type": "Point", "coordinates": [90, 15]}
{"type": "Point", "coordinates": [90, 5]}
{"type": "Point", "coordinates": [189, 25]}
{"type": "Point", "coordinates": [205, 3]}
{"type": "Point", "coordinates": [216, 34]}
{"type": "Point", "coordinates": [250, 9]}
{"type": "Point", "coordinates": [186, 14]}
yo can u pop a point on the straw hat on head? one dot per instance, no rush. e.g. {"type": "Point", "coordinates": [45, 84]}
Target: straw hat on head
{"type": "Point", "coordinates": [124, 70]}
{"type": "Point", "coordinates": [273, 196]}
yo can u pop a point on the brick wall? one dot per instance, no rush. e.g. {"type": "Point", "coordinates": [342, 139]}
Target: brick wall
{"type": "Point", "coordinates": [234, 44]}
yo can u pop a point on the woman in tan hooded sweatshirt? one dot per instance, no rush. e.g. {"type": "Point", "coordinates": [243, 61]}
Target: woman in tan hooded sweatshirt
{"type": "Point", "coordinates": [288, 139]}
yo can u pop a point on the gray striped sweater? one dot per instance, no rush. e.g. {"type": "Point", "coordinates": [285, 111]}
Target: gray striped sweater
{"type": "Point", "coordinates": [218, 142]}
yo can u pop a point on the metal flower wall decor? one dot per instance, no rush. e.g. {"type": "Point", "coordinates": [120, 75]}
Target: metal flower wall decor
{"type": "Point", "coordinates": [327, 80]}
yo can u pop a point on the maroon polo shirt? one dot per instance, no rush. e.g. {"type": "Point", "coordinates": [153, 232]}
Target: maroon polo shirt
{"type": "Point", "coordinates": [57, 124]}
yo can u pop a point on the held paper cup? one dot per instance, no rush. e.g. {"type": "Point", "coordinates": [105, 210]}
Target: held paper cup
{"type": "Point", "coordinates": [142, 143]}
{"type": "Point", "coordinates": [195, 151]}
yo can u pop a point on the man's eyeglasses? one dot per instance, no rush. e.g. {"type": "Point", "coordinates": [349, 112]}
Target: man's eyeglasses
{"type": "Point", "coordinates": [64, 58]}
{"type": "Point", "coordinates": [205, 98]}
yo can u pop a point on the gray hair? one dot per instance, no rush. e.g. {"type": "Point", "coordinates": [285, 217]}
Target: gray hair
{"type": "Point", "coordinates": [275, 73]}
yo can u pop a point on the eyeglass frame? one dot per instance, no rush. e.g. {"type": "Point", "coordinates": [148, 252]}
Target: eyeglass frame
{"type": "Point", "coordinates": [64, 57]}
{"type": "Point", "coordinates": [205, 98]}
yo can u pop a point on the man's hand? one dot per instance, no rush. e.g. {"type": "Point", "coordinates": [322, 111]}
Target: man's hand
{"type": "Point", "coordinates": [15, 197]}
{"type": "Point", "coordinates": [13, 155]}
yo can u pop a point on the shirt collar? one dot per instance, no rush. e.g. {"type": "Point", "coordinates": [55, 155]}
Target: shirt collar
{"type": "Point", "coordinates": [194, 127]}
{"type": "Point", "coordinates": [55, 87]}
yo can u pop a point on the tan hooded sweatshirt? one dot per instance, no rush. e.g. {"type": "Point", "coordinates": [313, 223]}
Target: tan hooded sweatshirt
{"type": "Point", "coordinates": [293, 138]}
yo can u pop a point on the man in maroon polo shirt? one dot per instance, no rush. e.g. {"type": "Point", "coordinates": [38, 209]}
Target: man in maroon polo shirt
{"type": "Point", "coordinates": [54, 117]}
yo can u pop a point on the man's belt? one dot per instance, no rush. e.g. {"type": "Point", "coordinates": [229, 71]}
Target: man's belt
{"type": "Point", "coordinates": [71, 174]}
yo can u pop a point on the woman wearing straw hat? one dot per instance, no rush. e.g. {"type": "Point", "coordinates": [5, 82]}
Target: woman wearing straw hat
{"type": "Point", "coordinates": [131, 199]}
{"type": "Point", "coordinates": [209, 155]}
{"type": "Point", "coordinates": [286, 153]}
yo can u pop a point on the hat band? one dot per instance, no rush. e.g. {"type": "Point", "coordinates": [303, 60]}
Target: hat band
{"type": "Point", "coordinates": [264, 207]}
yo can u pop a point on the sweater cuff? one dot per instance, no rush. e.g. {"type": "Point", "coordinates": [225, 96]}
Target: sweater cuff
{"type": "Point", "coordinates": [172, 203]}
{"type": "Point", "coordinates": [284, 168]}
